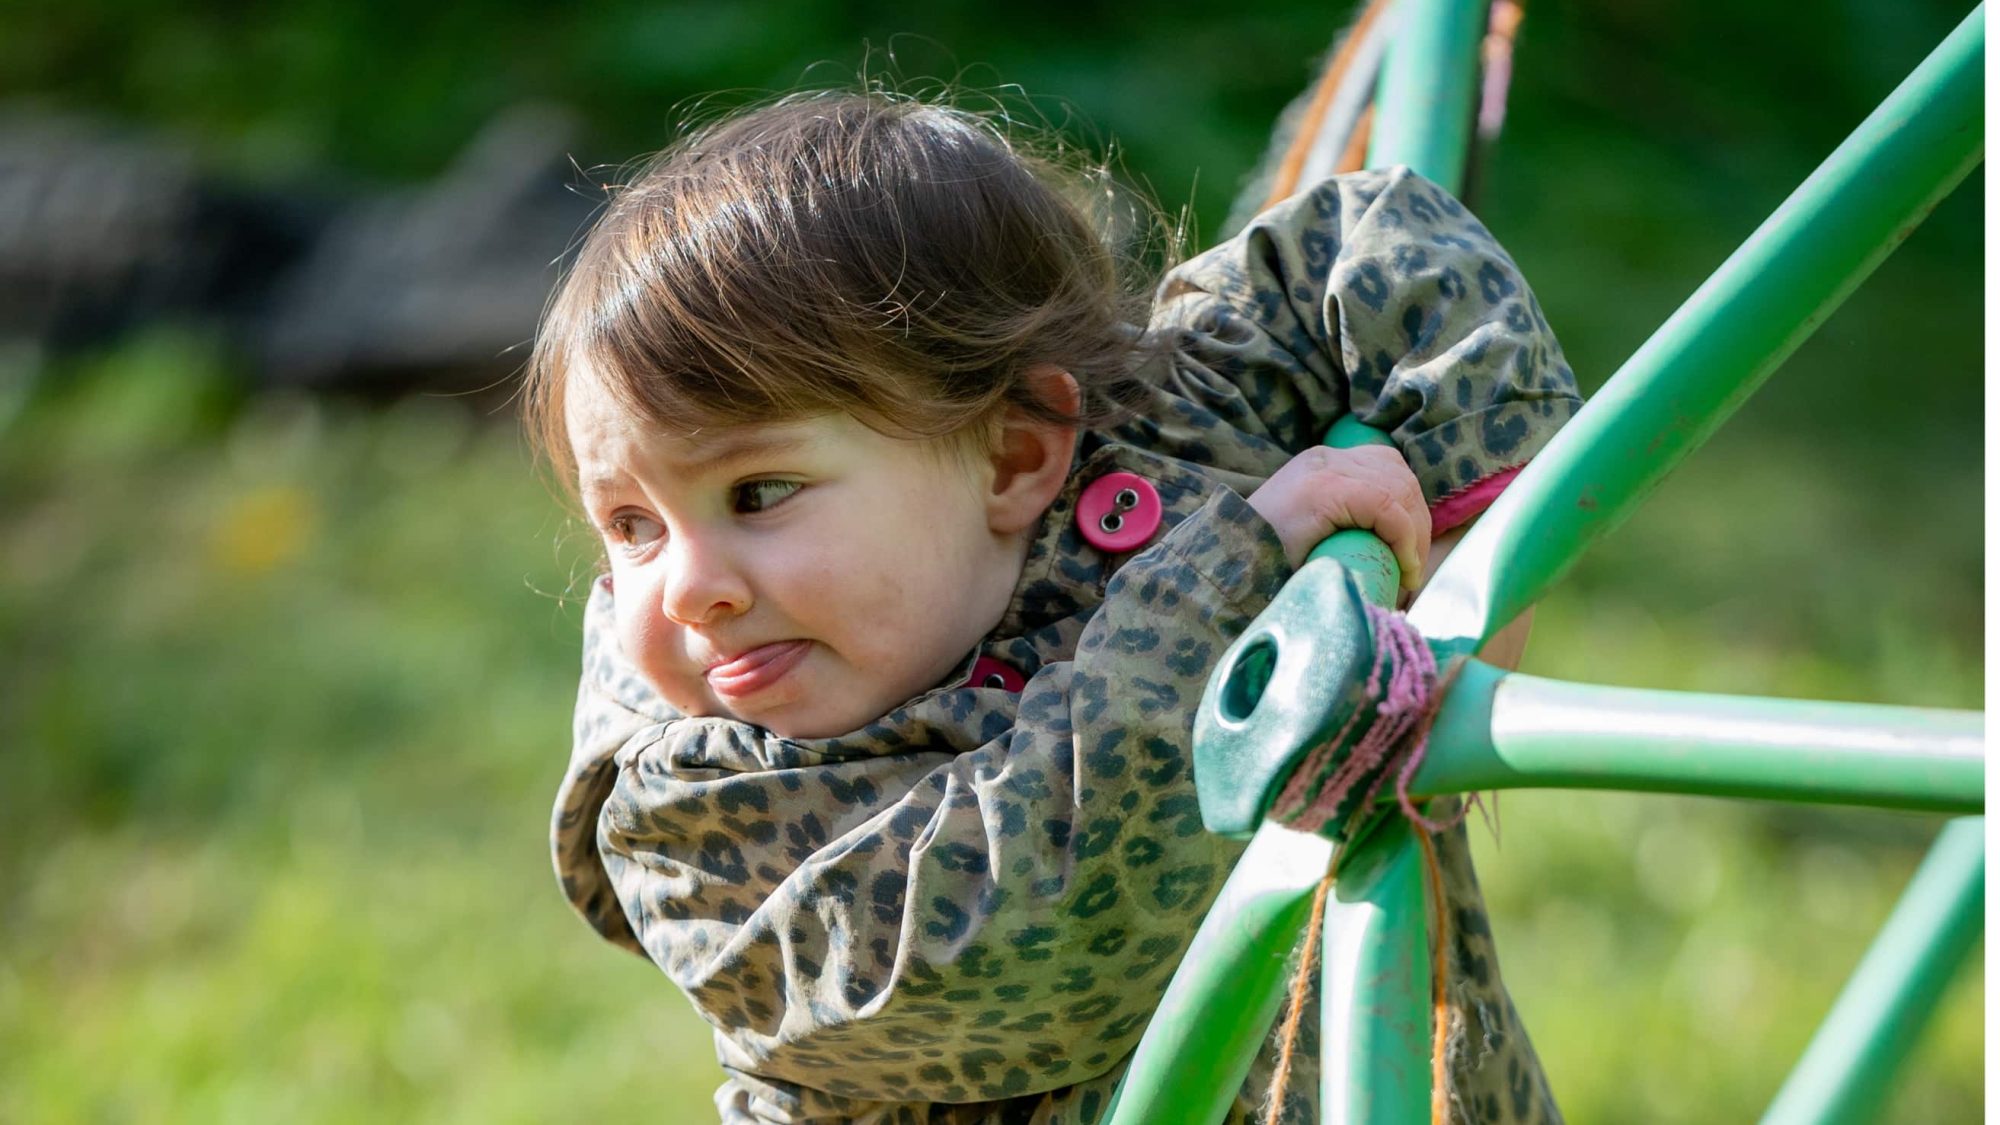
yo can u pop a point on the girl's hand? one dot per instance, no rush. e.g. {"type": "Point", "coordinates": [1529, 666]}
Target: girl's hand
{"type": "Point", "coordinates": [1324, 490]}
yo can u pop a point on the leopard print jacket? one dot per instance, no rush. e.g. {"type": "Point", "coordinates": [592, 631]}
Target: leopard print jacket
{"type": "Point", "coordinates": [967, 910]}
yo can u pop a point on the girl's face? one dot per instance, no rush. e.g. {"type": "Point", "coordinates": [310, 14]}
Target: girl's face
{"type": "Point", "coordinates": [804, 577]}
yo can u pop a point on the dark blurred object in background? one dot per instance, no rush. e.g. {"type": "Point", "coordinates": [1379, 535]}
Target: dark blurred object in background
{"type": "Point", "coordinates": [441, 284]}
{"type": "Point", "coordinates": [105, 230]}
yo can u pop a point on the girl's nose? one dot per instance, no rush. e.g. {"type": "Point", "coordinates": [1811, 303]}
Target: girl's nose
{"type": "Point", "coordinates": [703, 584]}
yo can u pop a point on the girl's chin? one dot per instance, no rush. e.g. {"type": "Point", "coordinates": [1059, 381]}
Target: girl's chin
{"type": "Point", "coordinates": [831, 711]}
{"type": "Point", "coordinates": [805, 720]}
{"type": "Point", "coordinates": [802, 725]}
{"type": "Point", "coordinates": [802, 706]}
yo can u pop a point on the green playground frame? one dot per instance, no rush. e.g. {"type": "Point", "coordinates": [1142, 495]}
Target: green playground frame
{"type": "Point", "coordinates": [1273, 694]}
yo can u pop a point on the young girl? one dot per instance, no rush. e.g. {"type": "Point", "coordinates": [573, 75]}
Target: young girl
{"type": "Point", "coordinates": [920, 553]}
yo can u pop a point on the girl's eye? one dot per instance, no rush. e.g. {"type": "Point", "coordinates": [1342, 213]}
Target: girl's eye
{"type": "Point", "coordinates": [632, 532]}
{"type": "Point", "coordinates": [761, 495]}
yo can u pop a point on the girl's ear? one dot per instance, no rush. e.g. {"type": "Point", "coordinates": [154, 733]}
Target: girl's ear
{"type": "Point", "coordinates": [1032, 457]}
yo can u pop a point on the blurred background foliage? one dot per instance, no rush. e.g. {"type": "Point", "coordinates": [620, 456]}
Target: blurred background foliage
{"type": "Point", "coordinates": [284, 678]}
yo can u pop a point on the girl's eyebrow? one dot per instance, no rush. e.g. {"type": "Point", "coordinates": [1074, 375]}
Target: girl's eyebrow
{"type": "Point", "coordinates": [713, 455]}
{"type": "Point", "coordinates": [732, 446]}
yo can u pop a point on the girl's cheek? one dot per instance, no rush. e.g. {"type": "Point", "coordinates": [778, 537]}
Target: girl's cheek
{"type": "Point", "coordinates": [645, 646]}
{"type": "Point", "coordinates": [638, 632]}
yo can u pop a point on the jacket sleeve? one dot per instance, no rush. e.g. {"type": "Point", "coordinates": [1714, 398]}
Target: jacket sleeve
{"type": "Point", "coordinates": [981, 895]}
{"type": "Point", "coordinates": [1376, 294]}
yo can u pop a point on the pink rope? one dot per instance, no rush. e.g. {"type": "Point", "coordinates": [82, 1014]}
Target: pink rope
{"type": "Point", "coordinates": [1497, 52]}
{"type": "Point", "coordinates": [1403, 685]}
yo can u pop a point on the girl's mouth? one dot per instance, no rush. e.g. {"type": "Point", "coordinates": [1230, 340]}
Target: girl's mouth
{"type": "Point", "coordinates": [757, 669]}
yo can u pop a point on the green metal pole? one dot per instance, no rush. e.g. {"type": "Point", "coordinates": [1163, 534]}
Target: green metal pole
{"type": "Point", "coordinates": [1375, 982]}
{"type": "Point", "coordinates": [1375, 985]}
{"type": "Point", "coordinates": [1221, 1002]}
{"type": "Point", "coordinates": [1847, 1071]}
{"type": "Point", "coordinates": [1424, 101]}
{"type": "Point", "coordinates": [1510, 731]}
{"type": "Point", "coordinates": [1220, 1005]}
{"type": "Point", "coordinates": [1375, 1045]}
{"type": "Point", "coordinates": [1705, 360]}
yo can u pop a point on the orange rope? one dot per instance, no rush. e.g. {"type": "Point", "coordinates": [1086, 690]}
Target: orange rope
{"type": "Point", "coordinates": [1294, 162]}
{"type": "Point", "coordinates": [1440, 1006]}
{"type": "Point", "coordinates": [1355, 156]}
{"type": "Point", "coordinates": [1288, 1035]}
{"type": "Point", "coordinates": [1301, 982]}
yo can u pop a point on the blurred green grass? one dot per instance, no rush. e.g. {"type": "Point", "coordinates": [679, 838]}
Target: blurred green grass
{"type": "Point", "coordinates": [286, 696]}
{"type": "Point", "coordinates": [284, 682]}
{"type": "Point", "coordinates": [286, 692]}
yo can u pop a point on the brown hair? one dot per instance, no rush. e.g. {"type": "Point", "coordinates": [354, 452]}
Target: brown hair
{"type": "Point", "coordinates": [866, 253]}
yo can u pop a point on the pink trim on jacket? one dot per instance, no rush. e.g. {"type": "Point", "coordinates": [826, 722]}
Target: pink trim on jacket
{"type": "Point", "coordinates": [1460, 506]}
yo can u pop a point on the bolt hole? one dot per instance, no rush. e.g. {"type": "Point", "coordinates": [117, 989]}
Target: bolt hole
{"type": "Point", "coordinates": [995, 679]}
{"type": "Point", "coordinates": [1111, 522]}
{"type": "Point", "coordinates": [1243, 685]}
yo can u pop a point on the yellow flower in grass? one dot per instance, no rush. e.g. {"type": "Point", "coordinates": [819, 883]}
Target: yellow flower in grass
{"type": "Point", "coordinates": [263, 529]}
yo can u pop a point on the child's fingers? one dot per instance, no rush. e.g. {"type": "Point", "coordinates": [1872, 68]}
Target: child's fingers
{"type": "Point", "coordinates": [1323, 490]}
{"type": "Point", "coordinates": [1382, 494]}
{"type": "Point", "coordinates": [1407, 534]}
{"type": "Point", "coordinates": [1410, 533]}
{"type": "Point", "coordinates": [1376, 503]}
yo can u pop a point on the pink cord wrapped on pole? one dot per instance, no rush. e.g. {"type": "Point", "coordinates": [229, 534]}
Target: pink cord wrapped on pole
{"type": "Point", "coordinates": [1402, 694]}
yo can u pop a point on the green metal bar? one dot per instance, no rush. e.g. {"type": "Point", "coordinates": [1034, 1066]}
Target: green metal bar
{"type": "Point", "coordinates": [1847, 1071]}
{"type": "Point", "coordinates": [1221, 1001]}
{"type": "Point", "coordinates": [1375, 979]}
{"type": "Point", "coordinates": [1509, 731]}
{"type": "Point", "coordinates": [1220, 1005]}
{"type": "Point", "coordinates": [1375, 985]}
{"type": "Point", "coordinates": [1706, 359]}
{"type": "Point", "coordinates": [1425, 100]}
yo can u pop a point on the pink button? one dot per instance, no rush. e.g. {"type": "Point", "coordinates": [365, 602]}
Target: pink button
{"type": "Point", "coordinates": [1118, 512]}
{"type": "Point", "coordinates": [988, 672]}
